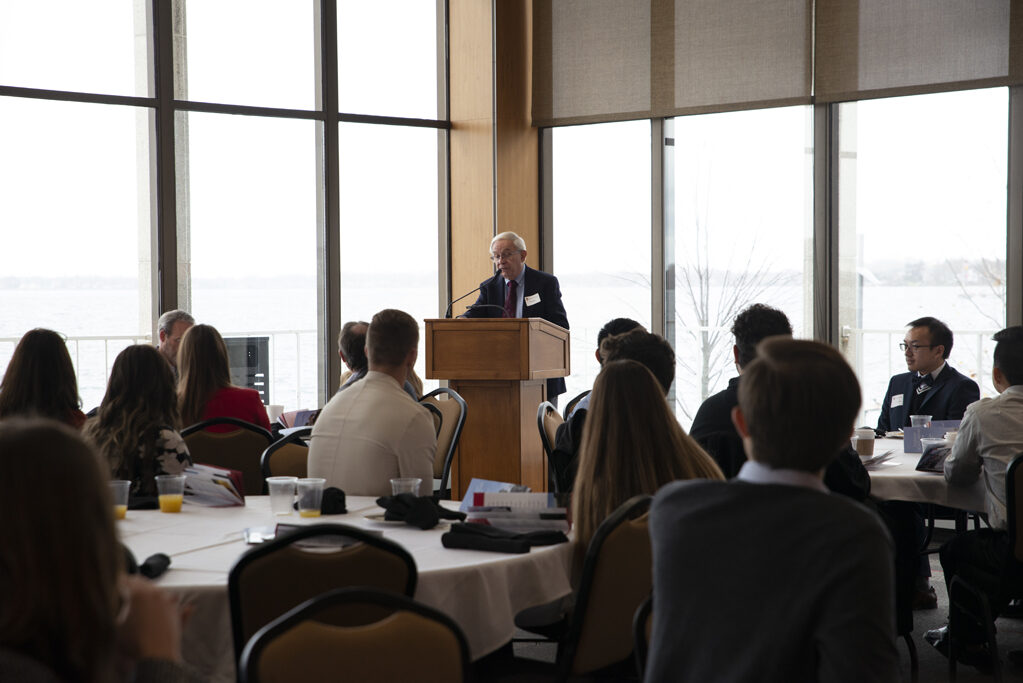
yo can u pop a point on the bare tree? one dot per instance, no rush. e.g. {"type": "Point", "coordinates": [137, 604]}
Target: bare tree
{"type": "Point", "coordinates": [990, 273]}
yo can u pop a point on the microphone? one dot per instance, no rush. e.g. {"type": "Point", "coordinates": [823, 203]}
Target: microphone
{"type": "Point", "coordinates": [447, 311]}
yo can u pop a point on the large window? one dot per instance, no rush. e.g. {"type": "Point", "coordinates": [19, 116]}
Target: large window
{"type": "Point", "coordinates": [922, 229]}
{"type": "Point", "coordinates": [601, 217]}
{"type": "Point", "coordinates": [740, 220]}
{"type": "Point", "coordinates": [120, 199]}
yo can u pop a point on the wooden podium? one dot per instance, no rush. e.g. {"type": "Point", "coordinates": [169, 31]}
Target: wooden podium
{"type": "Point", "coordinates": [500, 367]}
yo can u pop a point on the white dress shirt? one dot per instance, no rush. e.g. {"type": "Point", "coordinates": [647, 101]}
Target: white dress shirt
{"type": "Point", "coordinates": [990, 436]}
{"type": "Point", "coordinates": [759, 473]}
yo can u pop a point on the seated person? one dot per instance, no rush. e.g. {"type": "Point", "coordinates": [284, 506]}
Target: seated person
{"type": "Point", "coordinates": [170, 328]}
{"type": "Point", "coordinates": [639, 345]}
{"type": "Point", "coordinates": [351, 346]}
{"type": "Point", "coordinates": [374, 431]}
{"type": "Point", "coordinates": [990, 436]}
{"type": "Point", "coordinates": [932, 386]}
{"type": "Point", "coordinates": [205, 390]}
{"type": "Point", "coordinates": [801, 580]}
{"type": "Point", "coordinates": [67, 611]}
{"type": "Point", "coordinates": [40, 380]}
{"type": "Point", "coordinates": [610, 328]}
{"type": "Point", "coordinates": [135, 428]}
{"type": "Point", "coordinates": [631, 444]}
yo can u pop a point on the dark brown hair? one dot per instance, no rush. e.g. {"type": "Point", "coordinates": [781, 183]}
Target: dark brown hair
{"type": "Point", "coordinates": [204, 368]}
{"type": "Point", "coordinates": [140, 399]}
{"type": "Point", "coordinates": [800, 400]}
{"type": "Point", "coordinates": [392, 334]}
{"type": "Point", "coordinates": [631, 444]}
{"type": "Point", "coordinates": [59, 560]}
{"type": "Point", "coordinates": [40, 379]}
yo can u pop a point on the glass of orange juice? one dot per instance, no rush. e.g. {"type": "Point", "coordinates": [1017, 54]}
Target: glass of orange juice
{"type": "Point", "coordinates": [310, 495]}
{"type": "Point", "coordinates": [119, 492]}
{"type": "Point", "coordinates": [171, 488]}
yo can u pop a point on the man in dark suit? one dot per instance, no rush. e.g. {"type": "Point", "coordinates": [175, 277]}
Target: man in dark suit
{"type": "Point", "coordinates": [518, 291]}
{"type": "Point", "coordinates": [774, 539]}
{"type": "Point", "coordinates": [932, 386]}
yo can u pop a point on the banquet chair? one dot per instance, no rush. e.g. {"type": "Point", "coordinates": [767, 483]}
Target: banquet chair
{"type": "Point", "coordinates": [412, 642]}
{"type": "Point", "coordinates": [570, 406]}
{"type": "Point", "coordinates": [969, 602]}
{"type": "Point", "coordinates": [239, 449]}
{"type": "Point", "coordinates": [452, 410]}
{"type": "Point", "coordinates": [617, 576]}
{"type": "Point", "coordinates": [288, 455]}
{"type": "Point", "coordinates": [276, 576]}
{"type": "Point", "coordinates": [548, 419]}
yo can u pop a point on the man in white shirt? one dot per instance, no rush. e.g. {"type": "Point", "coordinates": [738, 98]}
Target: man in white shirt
{"type": "Point", "coordinates": [374, 431]}
{"type": "Point", "coordinates": [773, 538]}
{"type": "Point", "coordinates": [990, 436]}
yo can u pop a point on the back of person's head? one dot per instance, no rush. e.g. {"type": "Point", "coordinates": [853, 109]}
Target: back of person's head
{"type": "Point", "coordinates": [351, 342]}
{"type": "Point", "coordinates": [939, 332]}
{"type": "Point", "coordinates": [204, 368]}
{"type": "Point", "coordinates": [799, 400]}
{"type": "Point", "coordinates": [40, 379]}
{"type": "Point", "coordinates": [613, 327]}
{"type": "Point", "coordinates": [644, 347]}
{"type": "Point", "coordinates": [753, 325]}
{"type": "Point", "coordinates": [392, 335]}
{"type": "Point", "coordinates": [1009, 354]}
{"type": "Point", "coordinates": [166, 322]}
{"type": "Point", "coordinates": [631, 444]}
{"type": "Point", "coordinates": [59, 559]}
{"type": "Point", "coordinates": [140, 397]}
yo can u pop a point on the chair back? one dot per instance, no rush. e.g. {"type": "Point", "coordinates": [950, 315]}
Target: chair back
{"type": "Point", "coordinates": [1014, 506]}
{"type": "Point", "coordinates": [240, 449]}
{"type": "Point", "coordinates": [548, 419]}
{"type": "Point", "coordinates": [452, 409]}
{"type": "Point", "coordinates": [412, 643]}
{"type": "Point", "coordinates": [274, 577]}
{"type": "Point", "coordinates": [642, 624]}
{"type": "Point", "coordinates": [617, 576]}
{"type": "Point", "coordinates": [288, 455]}
{"type": "Point", "coordinates": [570, 406]}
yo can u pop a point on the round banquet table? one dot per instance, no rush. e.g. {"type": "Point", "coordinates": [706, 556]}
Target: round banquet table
{"type": "Point", "coordinates": [481, 591]}
{"type": "Point", "coordinates": [898, 479]}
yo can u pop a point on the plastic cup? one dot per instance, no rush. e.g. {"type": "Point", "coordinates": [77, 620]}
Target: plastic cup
{"type": "Point", "coordinates": [405, 485]}
{"type": "Point", "coordinates": [919, 420]}
{"type": "Point", "coordinates": [119, 492]}
{"type": "Point", "coordinates": [928, 442]}
{"type": "Point", "coordinates": [863, 440]}
{"type": "Point", "coordinates": [171, 488]}
{"type": "Point", "coordinates": [310, 496]}
{"type": "Point", "coordinates": [282, 494]}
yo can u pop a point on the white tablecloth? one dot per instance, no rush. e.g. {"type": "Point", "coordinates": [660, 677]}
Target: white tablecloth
{"type": "Point", "coordinates": [481, 591]}
{"type": "Point", "coordinates": [902, 481]}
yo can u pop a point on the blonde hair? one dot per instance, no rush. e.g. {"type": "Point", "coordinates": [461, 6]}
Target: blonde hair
{"type": "Point", "coordinates": [631, 444]}
{"type": "Point", "coordinates": [204, 368]}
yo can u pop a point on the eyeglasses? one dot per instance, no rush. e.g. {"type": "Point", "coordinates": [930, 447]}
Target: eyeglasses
{"type": "Point", "coordinates": [916, 347]}
{"type": "Point", "coordinates": [503, 256]}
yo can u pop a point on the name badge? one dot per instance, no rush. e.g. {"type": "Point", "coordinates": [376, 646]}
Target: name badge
{"type": "Point", "coordinates": [897, 400]}
{"type": "Point", "coordinates": [532, 300]}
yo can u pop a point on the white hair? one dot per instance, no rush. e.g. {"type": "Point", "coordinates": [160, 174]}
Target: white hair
{"type": "Point", "coordinates": [519, 243]}
{"type": "Point", "coordinates": [167, 320]}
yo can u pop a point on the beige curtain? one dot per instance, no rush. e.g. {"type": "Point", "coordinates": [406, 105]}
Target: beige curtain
{"type": "Point", "coordinates": [609, 60]}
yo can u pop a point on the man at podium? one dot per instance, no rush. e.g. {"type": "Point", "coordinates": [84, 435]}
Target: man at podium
{"type": "Point", "coordinates": [518, 291]}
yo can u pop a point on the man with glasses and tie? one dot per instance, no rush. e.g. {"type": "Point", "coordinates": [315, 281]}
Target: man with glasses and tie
{"type": "Point", "coordinates": [932, 386]}
{"type": "Point", "coordinates": [518, 291]}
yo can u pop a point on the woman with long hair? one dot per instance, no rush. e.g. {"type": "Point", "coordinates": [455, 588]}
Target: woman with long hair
{"type": "Point", "coordinates": [631, 444]}
{"type": "Point", "coordinates": [135, 428]}
{"type": "Point", "coordinates": [67, 613]}
{"type": "Point", "coordinates": [205, 390]}
{"type": "Point", "coordinates": [40, 380]}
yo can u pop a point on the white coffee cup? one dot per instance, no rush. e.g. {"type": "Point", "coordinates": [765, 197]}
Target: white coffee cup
{"type": "Point", "coordinates": [274, 412]}
{"type": "Point", "coordinates": [863, 441]}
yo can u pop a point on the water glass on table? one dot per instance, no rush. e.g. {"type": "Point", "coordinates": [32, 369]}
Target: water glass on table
{"type": "Point", "coordinates": [310, 496]}
{"type": "Point", "coordinates": [119, 492]}
{"type": "Point", "coordinates": [282, 494]}
{"type": "Point", "coordinates": [405, 485]}
{"type": "Point", "coordinates": [171, 488]}
{"type": "Point", "coordinates": [919, 420]}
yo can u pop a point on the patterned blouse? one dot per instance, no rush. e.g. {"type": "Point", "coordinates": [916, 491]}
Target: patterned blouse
{"type": "Point", "coordinates": [161, 451]}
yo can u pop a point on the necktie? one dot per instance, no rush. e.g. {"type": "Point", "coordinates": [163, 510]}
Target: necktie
{"type": "Point", "coordinates": [511, 299]}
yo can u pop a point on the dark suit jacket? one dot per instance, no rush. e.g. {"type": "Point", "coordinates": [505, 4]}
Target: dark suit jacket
{"type": "Point", "coordinates": [550, 308]}
{"type": "Point", "coordinates": [947, 399]}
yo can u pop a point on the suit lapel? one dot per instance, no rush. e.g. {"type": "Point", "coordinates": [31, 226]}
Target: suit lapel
{"type": "Point", "coordinates": [936, 385]}
{"type": "Point", "coordinates": [530, 288]}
